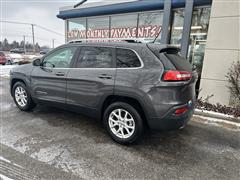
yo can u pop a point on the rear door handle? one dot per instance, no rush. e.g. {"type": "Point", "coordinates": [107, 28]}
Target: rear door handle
{"type": "Point", "coordinates": [105, 76]}
{"type": "Point", "coordinates": [60, 74]}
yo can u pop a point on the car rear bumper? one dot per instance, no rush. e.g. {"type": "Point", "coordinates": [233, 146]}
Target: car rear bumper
{"type": "Point", "coordinates": [171, 121]}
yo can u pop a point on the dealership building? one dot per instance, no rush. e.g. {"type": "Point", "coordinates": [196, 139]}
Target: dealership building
{"type": "Point", "coordinates": [207, 31]}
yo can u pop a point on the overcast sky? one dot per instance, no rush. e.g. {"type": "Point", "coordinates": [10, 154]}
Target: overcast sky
{"type": "Point", "coordinates": [40, 12]}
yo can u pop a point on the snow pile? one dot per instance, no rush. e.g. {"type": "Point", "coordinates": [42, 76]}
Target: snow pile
{"type": "Point", "coordinates": [5, 70]}
{"type": "Point", "coordinates": [214, 113]}
{"type": "Point", "coordinates": [217, 122]}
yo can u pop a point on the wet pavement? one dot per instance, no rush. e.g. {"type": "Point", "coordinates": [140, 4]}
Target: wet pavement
{"type": "Point", "coordinates": [51, 143]}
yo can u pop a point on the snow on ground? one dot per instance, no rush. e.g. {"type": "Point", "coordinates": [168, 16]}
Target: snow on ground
{"type": "Point", "coordinates": [216, 114]}
{"type": "Point", "coordinates": [5, 177]}
{"type": "Point", "coordinates": [217, 122]}
{"type": "Point", "coordinates": [5, 70]}
{"type": "Point", "coordinates": [8, 161]}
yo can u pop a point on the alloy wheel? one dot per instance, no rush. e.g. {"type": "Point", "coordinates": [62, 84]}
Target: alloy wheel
{"type": "Point", "coordinates": [121, 123]}
{"type": "Point", "coordinates": [21, 96]}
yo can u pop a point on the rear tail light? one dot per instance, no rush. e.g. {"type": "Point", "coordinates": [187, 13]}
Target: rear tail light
{"type": "Point", "coordinates": [177, 76]}
{"type": "Point", "coordinates": [181, 111]}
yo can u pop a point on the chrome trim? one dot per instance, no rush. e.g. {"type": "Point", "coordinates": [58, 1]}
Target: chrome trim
{"type": "Point", "coordinates": [105, 46]}
{"type": "Point", "coordinates": [110, 46]}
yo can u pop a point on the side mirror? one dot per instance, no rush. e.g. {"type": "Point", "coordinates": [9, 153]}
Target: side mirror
{"type": "Point", "coordinates": [36, 62]}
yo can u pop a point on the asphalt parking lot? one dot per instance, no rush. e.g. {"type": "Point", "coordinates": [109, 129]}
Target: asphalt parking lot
{"type": "Point", "coordinates": [51, 143]}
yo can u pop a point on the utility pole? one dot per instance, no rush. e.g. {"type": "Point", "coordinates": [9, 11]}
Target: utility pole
{"type": "Point", "coordinates": [24, 45]}
{"type": "Point", "coordinates": [33, 37]}
{"type": "Point", "coordinates": [53, 43]}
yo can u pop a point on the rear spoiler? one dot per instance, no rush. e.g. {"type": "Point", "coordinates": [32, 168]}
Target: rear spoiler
{"type": "Point", "coordinates": [163, 48]}
{"type": "Point", "coordinates": [170, 50]}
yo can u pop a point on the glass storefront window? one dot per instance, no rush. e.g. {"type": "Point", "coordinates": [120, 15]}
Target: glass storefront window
{"type": "Point", "coordinates": [177, 27]}
{"type": "Point", "coordinates": [144, 26]}
{"type": "Point", "coordinates": [150, 25]}
{"type": "Point", "coordinates": [76, 29]}
{"type": "Point", "coordinates": [98, 28]}
{"type": "Point", "coordinates": [198, 38]}
{"type": "Point", "coordinates": [124, 26]}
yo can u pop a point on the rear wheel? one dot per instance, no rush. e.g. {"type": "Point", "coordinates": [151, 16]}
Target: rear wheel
{"type": "Point", "coordinates": [123, 123]}
{"type": "Point", "coordinates": [21, 97]}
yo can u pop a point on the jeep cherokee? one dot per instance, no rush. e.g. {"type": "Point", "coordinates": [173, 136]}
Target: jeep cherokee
{"type": "Point", "coordinates": [129, 86]}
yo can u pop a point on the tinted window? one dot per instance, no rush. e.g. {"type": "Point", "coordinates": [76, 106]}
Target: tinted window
{"type": "Point", "coordinates": [127, 59]}
{"type": "Point", "coordinates": [60, 58]}
{"type": "Point", "coordinates": [95, 57]}
{"type": "Point", "coordinates": [179, 62]}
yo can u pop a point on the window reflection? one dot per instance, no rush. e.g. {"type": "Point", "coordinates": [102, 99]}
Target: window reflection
{"type": "Point", "coordinates": [151, 21]}
{"type": "Point", "coordinates": [144, 26]}
{"type": "Point", "coordinates": [76, 29]}
{"type": "Point", "coordinates": [127, 59]}
{"type": "Point", "coordinates": [198, 38]}
{"type": "Point", "coordinates": [124, 26]}
{"type": "Point", "coordinates": [95, 57]}
{"type": "Point", "coordinates": [177, 27]}
{"type": "Point", "coordinates": [98, 28]}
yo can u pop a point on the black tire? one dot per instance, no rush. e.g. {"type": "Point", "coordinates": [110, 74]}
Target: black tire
{"type": "Point", "coordinates": [29, 103]}
{"type": "Point", "coordinates": [138, 131]}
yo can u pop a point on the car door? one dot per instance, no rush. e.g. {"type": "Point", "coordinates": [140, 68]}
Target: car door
{"type": "Point", "coordinates": [48, 81]}
{"type": "Point", "coordinates": [92, 79]}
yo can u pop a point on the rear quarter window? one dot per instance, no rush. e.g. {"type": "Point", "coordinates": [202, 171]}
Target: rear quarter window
{"type": "Point", "coordinates": [127, 58]}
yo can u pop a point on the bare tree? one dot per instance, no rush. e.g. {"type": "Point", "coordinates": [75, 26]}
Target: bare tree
{"type": "Point", "coordinates": [234, 79]}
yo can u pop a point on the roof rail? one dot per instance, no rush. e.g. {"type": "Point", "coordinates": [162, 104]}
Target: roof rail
{"type": "Point", "coordinates": [107, 40]}
{"type": "Point", "coordinates": [132, 41]}
{"type": "Point", "coordinates": [75, 41]}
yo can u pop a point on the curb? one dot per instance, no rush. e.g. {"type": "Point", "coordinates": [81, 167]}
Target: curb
{"type": "Point", "coordinates": [217, 122]}
{"type": "Point", "coordinates": [217, 116]}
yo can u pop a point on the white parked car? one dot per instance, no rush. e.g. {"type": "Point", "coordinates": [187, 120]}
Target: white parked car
{"type": "Point", "coordinates": [14, 58]}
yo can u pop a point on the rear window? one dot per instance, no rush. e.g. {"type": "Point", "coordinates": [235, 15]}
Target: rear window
{"type": "Point", "coordinates": [2, 54]}
{"type": "Point", "coordinates": [179, 62]}
{"type": "Point", "coordinates": [170, 58]}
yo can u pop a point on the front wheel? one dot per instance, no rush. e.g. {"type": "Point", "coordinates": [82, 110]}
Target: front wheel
{"type": "Point", "coordinates": [123, 123]}
{"type": "Point", "coordinates": [21, 97]}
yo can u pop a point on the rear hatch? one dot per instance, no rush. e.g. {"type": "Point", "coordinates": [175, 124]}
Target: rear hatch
{"type": "Point", "coordinates": [178, 78]}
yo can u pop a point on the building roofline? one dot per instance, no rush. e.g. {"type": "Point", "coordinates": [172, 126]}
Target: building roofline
{"type": "Point", "coordinates": [125, 7]}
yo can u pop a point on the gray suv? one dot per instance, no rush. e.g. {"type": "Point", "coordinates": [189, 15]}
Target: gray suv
{"type": "Point", "coordinates": [128, 86]}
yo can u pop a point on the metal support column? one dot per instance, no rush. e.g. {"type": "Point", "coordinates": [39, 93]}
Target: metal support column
{"type": "Point", "coordinates": [34, 50]}
{"type": "Point", "coordinates": [166, 26]}
{"type": "Point", "coordinates": [187, 27]}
